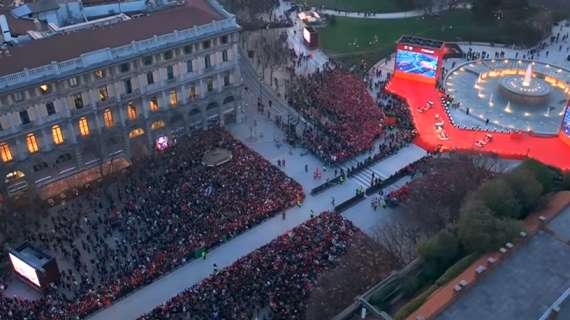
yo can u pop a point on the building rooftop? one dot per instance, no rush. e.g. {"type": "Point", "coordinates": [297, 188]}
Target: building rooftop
{"type": "Point", "coordinates": [422, 42]}
{"type": "Point", "coordinates": [70, 45]}
{"type": "Point", "coordinates": [523, 286]}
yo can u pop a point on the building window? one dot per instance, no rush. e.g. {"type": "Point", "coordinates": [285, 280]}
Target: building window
{"type": "Point", "coordinates": [153, 104]}
{"type": "Point", "coordinates": [83, 126]}
{"type": "Point", "coordinates": [224, 39]}
{"type": "Point", "coordinates": [103, 94]}
{"type": "Point", "coordinates": [210, 85]}
{"type": "Point", "coordinates": [157, 125]}
{"type": "Point", "coordinates": [24, 117]}
{"type": "Point", "coordinates": [57, 134]}
{"type": "Point", "coordinates": [50, 108]}
{"type": "Point", "coordinates": [206, 44]}
{"type": "Point", "coordinates": [131, 111]}
{"type": "Point", "coordinates": [73, 82]}
{"type": "Point", "coordinates": [32, 143]}
{"type": "Point", "coordinates": [147, 61]}
{"type": "Point", "coordinates": [125, 67]}
{"type": "Point", "coordinates": [188, 49]}
{"type": "Point", "coordinates": [78, 101]}
{"type": "Point", "coordinates": [225, 56]}
{"type": "Point", "coordinates": [170, 72]}
{"type": "Point", "coordinates": [192, 93]}
{"type": "Point", "coordinates": [173, 98]}
{"type": "Point", "coordinates": [100, 74]}
{"type": "Point", "coordinates": [128, 86]}
{"type": "Point", "coordinates": [167, 55]}
{"type": "Point", "coordinates": [207, 61]}
{"type": "Point", "coordinates": [18, 96]}
{"type": "Point", "coordinates": [5, 152]}
{"type": "Point", "coordinates": [226, 79]}
{"type": "Point", "coordinates": [136, 133]}
{"type": "Point", "coordinates": [149, 78]}
{"type": "Point", "coordinates": [108, 118]}
{"type": "Point", "coordinates": [189, 67]}
{"type": "Point", "coordinates": [44, 88]}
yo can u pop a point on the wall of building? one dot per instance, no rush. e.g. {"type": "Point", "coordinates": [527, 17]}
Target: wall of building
{"type": "Point", "coordinates": [188, 98]}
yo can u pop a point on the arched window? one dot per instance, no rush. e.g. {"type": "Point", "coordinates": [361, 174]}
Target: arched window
{"type": "Point", "coordinates": [57, 134]}
{"type": "Point", "coordinates": [32, 143]}
{"type": "Point", "coordinates": [212, 105]}
{"type": "Point", "coordinates": [5, 152]}
{"type": "Point", "coordinates": [157, 125]}
{"type": "Point", "coordinates": [136, 133]}
{"type": "Point", "coordinates": [13, 176]}
{"type": "Point", "coordinates": [83, 126]}
{"type": "Point", "coordinates": [228, 99]}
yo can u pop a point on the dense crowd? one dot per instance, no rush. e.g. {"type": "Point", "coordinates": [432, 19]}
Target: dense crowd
{"type": "Point", "coordinates": [344, 119]}
{"type": "Point", "coordinates": [277, 278]}
{"type": "Point", "coordinates": [116, 238]}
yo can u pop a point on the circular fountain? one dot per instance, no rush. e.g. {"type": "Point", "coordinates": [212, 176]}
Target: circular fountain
{"type": "Point", "coordinates": [509, 94]}
{"type": "Point", "coordinates": [524, 89]}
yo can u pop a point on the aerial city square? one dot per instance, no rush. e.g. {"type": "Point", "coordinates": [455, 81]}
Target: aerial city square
{"type": "Point", "coordinates": [285, 159]}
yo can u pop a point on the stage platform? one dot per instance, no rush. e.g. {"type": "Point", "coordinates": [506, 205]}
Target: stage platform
{"type": "Point", "coordinates": [549, 150]}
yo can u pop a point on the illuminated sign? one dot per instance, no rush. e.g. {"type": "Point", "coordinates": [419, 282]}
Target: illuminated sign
{"type": "Point", "coordinates": [162, 143]}
{"type": "Point", "coordinates": [24, 269]}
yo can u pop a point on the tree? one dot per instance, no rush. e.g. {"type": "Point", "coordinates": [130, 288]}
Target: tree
{"type": "Point", "coordinates": [544, 174]}
{"type": "Point", "coordinates": [444, 184]}
{"type": "Point", "coordinates": [526, 187]}
{"type": "Point", "coordinates": [480, 231]}
{"type": "Point", "coordinates": [365, 264]}
{"type": "Point", "coordinates": [440, 251]}
{"type": "Point", "coordinates": [498, 196]}
{"type": "Point", "coordinates": [400, 240]}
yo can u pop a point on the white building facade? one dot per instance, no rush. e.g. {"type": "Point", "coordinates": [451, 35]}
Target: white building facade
{"type": "Point", "coordinates": [64, 117]}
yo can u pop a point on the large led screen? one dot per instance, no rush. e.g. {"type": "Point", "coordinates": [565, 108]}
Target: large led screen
{"type": "Point", "coordinates": [416, 63]}
{"type": "Point", "coordinates": [24, 269]}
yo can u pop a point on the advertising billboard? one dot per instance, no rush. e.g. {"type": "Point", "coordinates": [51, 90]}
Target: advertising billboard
{"type": "Point", "coordinates": [416, 63]}
{"type": "Point", "coordinates": [24, 270]}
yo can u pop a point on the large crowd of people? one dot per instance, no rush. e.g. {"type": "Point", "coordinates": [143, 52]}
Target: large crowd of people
{"type": "Point", "coordinates": [344, 120]}
{"type": "Point", "coordinates": [163, 212]}
{"type": "Point", "coordinates": [275, 279]}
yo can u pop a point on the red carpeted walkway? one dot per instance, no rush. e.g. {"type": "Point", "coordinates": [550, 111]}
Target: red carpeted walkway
{"type": "Point", "coordinates": [549, 150]}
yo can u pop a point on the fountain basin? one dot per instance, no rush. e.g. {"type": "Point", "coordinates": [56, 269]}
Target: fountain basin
{"type": "Point", "coordinates": [514, 88]}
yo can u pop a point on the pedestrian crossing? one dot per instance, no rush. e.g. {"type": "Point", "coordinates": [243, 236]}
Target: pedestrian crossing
{"type": "Point", "coordinates": [386, 167]}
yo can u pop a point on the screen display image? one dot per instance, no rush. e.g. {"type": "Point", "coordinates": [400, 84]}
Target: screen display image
{"type": "Point", "coordinates": [416, 63]}
{"type": "Point", "coordinates": [25, 270]}
{"type": "Point", "coordinates": [566, 122]}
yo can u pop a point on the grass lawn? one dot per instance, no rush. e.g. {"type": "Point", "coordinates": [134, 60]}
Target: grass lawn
{"type": "Point", "coordinates": [357, 5]}
{"type": "Point", "coordinates": [351, 39]}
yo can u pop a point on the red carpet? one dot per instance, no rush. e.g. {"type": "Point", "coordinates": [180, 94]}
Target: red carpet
{"type": "Point", "coordinates": [549, 150]}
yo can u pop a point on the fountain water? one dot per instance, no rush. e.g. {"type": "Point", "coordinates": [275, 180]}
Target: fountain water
{"type": "Point", "coordinates": [508, 107]}
{"type": "Point", "coordinates": [527, 76]}
{"type": "Point", "coordinates": [491, 101]}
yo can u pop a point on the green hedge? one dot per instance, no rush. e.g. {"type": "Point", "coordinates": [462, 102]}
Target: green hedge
{"type": "Point", "coordinates": [456, 269]}
{"type": "Point", "coordinates": [414, 304]}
